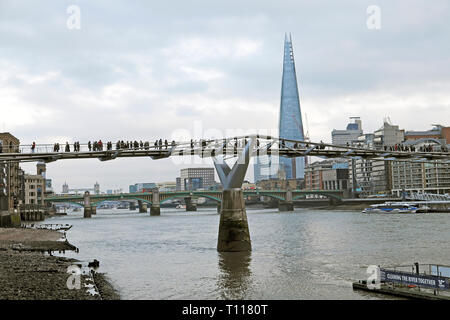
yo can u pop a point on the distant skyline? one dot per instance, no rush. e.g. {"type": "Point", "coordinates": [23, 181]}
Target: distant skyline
{"type": "Point", "coordinates": [148, 70]}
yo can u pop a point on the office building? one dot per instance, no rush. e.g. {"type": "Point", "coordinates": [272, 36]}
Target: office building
{"type": "Point", "coordinates": [350, 135]}
{"type": "Point", "coordinates": [196, 178]}
{"type": "Point", "coordinates": [327, 175]}
{"type": "Point", "coordinates": [142, 187]}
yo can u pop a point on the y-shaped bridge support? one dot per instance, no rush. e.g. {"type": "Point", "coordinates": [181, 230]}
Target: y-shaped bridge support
{"type": "Point", "coordinates": [233, 227]}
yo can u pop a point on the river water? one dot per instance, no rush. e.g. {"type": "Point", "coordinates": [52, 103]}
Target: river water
{"type": "Point", "coordinates": [305, 254]}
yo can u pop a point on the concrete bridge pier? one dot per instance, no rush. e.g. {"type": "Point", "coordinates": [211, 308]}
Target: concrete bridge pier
{"type": "Point", "coordinates": [132, 206]}
{"type": "Point", "coordinates": [334, 201]}
{"type": "Point", "coordinates": [233, 227]}
{"type": "Point", "coordinates": [87, 212]}
{"type": "Point", "coordinates": [190, 205]}
{"type": "Point", "coordinates": [155, 209]}
{"type": "Point", "coordinates": [219, 207]}
{"type": "Point", "coordinates": [87, 205]}
{"type": "Point", "coordinates": [94, 209]}
{"type": "Point", "coordinates": [286, 205]}
{"type": "Point", "coordinates": [142, 206]}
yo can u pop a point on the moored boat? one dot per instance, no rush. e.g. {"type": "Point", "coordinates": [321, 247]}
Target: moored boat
{"type": "Point", "coordinates": [391, 207]}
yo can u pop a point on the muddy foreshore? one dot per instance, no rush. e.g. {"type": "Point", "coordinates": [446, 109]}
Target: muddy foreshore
{"type": "Point", "coordinates": [29, 272]}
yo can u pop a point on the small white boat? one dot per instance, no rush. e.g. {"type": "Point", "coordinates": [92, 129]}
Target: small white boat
{"type": "Point", "coordinates": [391, 207]}
{"type": "Point", "coordinates": [180, 206]}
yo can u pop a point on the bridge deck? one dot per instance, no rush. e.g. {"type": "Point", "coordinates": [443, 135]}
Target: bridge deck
{"type": "Point", "coordinates": [211, 152]}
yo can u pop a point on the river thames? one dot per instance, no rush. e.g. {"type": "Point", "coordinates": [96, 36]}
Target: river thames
{"type": "Point", "coordinates": [305, 254]}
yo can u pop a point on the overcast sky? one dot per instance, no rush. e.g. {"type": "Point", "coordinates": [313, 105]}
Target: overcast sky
{"type": "Point", "coordinates": [151, 69]}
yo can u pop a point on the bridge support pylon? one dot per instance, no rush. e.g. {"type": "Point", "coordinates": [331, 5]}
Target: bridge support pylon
{"type": "Point", "coordinates": [190, 205]}
{"type": "Point", "coordinates": [142, 206]}
{"type": "Point", "coordinates": [334, 201]}
{"type": "Point", "coordinates": [287, 205]}
{"type": "Point", "coordinates": [87, 212]}
{"type": "Point", "coordinates": [155, 209]}
{"type": "Point", "coordinates": [234, 234]}
{"type": "Point", "coordinates": [233, 227]}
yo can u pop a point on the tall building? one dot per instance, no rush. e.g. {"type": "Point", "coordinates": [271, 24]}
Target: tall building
{"type": "Point", "coordinates": [65, 188]}
{"type": "Point", "coordinates": [96, 188]}
{"type": "Point", "coordinates": [349, 135]}
{"type": "Point", "coordinates": [290, 124]}
{"type": "Point", "coordinates": [197, 178]}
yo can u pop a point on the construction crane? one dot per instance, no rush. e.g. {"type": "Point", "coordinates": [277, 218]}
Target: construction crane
{"type": "Point", "coordinates": [307, 128]}
{"type": "Point", "coordinates": [307, 136]}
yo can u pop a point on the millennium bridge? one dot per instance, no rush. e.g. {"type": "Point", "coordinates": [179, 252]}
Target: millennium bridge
{"type": "Point", "coordinates": [258, 145]}
{"type": "Point", "coordinates": [233, 227]}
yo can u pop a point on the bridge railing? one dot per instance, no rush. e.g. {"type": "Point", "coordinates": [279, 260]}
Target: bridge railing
{"type": "Point", "coordinates": [227, 147]}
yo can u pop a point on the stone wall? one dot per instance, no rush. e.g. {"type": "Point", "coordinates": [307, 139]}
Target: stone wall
{"type": "Point", "coordinates": [9, 220]}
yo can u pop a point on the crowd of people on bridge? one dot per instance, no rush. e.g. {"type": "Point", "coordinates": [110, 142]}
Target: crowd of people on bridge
{"type": "Point", "coordinates": [411, 148]}
{"type": "Point", "coordinates": [399, 147]}
{"type": "Point", "coordinates": [121, 144]}
{"type": "Point", "coordinates": [160, 144]}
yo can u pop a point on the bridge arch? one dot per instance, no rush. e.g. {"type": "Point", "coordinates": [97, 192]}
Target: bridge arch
{"type": "Point", "coordinates": [197, 195]}
{"type": "Point", "coordinates": [325, 194]}
{"type": "Point", "coordinates": [137, 199]}
{"type": "Point", "coordinates": [270, 195]}
{"type": "Point", "coordinates": [70, 202]}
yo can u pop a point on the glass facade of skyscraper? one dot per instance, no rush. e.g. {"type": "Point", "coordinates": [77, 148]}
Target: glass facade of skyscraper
{"type": "Point", "coordinates": [290, 125]}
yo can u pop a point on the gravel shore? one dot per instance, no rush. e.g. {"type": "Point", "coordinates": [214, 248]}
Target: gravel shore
{"type": "Point", "coordinates": [27, 272]}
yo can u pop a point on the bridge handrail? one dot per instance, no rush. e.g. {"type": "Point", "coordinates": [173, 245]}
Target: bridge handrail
{"type": "Point", "coordinates": [225, 147]}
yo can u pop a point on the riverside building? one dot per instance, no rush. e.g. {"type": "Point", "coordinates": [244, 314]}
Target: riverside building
{"type": "Point", "coordinates": [327, 175]}
{"type": "Point", "coordinates": [10, 174]}
{"type": "Point", "coordinates": [371, 177]}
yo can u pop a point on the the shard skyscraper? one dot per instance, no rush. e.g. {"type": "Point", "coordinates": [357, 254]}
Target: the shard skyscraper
{"type": "Point", "coordinates": [290, 125]}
